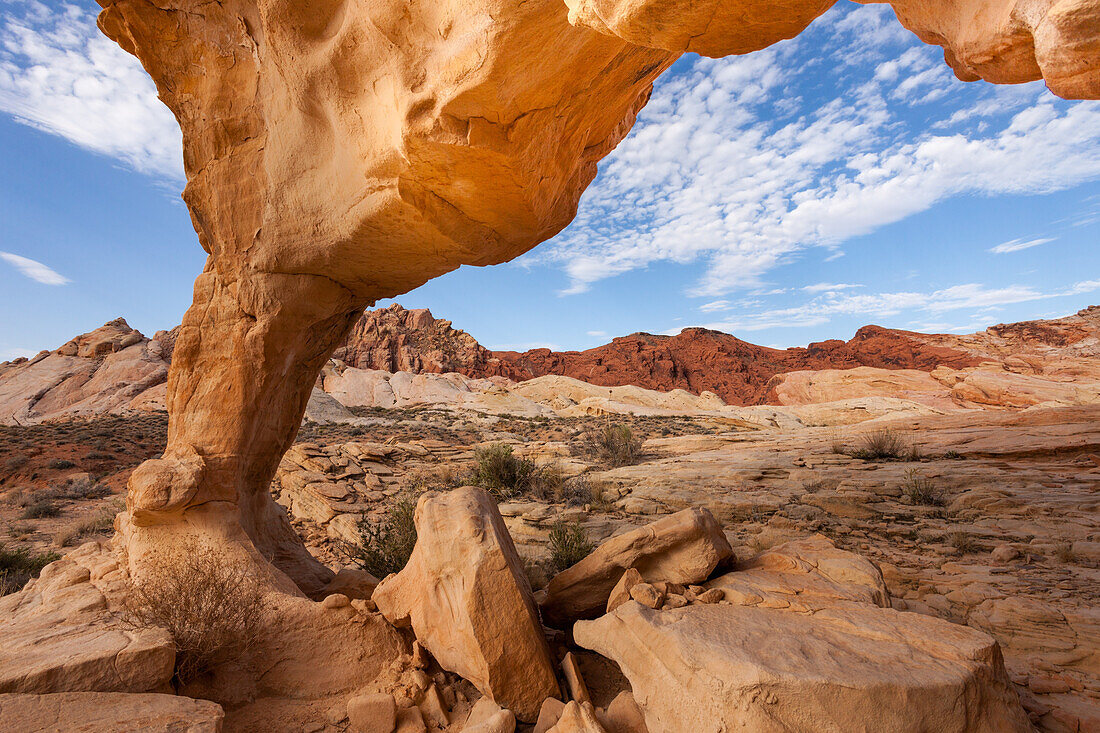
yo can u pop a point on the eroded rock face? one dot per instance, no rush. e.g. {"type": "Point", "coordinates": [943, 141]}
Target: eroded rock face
{"type": "Point", "coordinates": [466, 597]}
{"type": "Point", "coordinates": [683, 548]}
{"type": "Point", "coordinates": [802, 642]}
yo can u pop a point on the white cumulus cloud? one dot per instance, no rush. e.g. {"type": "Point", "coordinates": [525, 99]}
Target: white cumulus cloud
{"type": "Point", "coordinates": [59, 74]}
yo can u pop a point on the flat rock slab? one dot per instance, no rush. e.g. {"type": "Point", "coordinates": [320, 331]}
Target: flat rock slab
{"type": "Point", "coordinates": [108, 712]}
{"type": "Point", "coordinates": [852, 667]}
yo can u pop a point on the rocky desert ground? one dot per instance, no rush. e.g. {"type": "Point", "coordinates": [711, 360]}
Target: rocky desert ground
{"type": "Point", "coordinates": [965, 494]}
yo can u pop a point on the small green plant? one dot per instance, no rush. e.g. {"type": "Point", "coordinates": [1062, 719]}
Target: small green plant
{"type": "Point", "coordinates": [20, 565]}
{"type": "Point", "coordinates": [386, 544]}
{"type": "Point", "coordinates": [501, 473]}
{"type": "Point", "coordinates": [60, 464]}
{"type": "Point", "coordinates": [568, 545]}
{"type": "Point", "coordinates": [616, 446]}
{"type": "Point", "coordinates": [920, 490]}
{"type": "Point", "coordinates": [41, 509]}
{"type": "Point", "coordinates": [952, 455]}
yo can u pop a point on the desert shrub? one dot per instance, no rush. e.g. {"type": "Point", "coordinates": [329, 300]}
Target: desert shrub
{"type": "Point", "coordinates": [1063, 552]}
{"type": "Point", "coordinates": [16, 462]}
{"type": "Point", "coordinates": [963, 542]}
{"type": "Point", "coordinates": [385, 544]}
{"type": "Point", "coordinates": [568, 545]}
{"type": "Point", "coordinates": [583, 491]}
{"type": "Point", "coordinates": [501, 473]}
{"type": "Point", "coordinates": [20, 565]}
{"type": "Point", "coordinates": [616, 445]}
{"type": "Point", "coordinates": [41, 509]}
{"type": "Point", "coordinates": [952, 455]}
{"type": "Point", "coordinates": [59, 464]}
{"type": "Point", "coordinates": [920, 490]}
{"type": "Point", "coordinates": [102, 524]}
{"type": "Point", "coordinates": [210, 605]}
{"type": "Point", "coordinates": [884, 444]}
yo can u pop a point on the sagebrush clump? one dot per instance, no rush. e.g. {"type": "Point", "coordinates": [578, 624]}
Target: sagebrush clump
{"type": "Point", "coordinates": [881, 445]}
{"type": "Point", "coordinates": [385, 544]}
{"type": "Point", "coordinates": [211, 606]}
{"type": "Point", "coordinates": [920, 490]}
{"type": "Point", "coordinates": [505, 475]}
{"type": "Point", "coordinates": [617, 446]}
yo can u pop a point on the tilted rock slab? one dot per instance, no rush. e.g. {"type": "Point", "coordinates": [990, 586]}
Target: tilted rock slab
{"type": "Point", "coordinates": [109, 711]}
{"type": "Point", "coordinates": [684, 547]}
{"type": "Point", "coordinates": [467, 599]}
{"type": "Point", "coordinates": [806, 645]}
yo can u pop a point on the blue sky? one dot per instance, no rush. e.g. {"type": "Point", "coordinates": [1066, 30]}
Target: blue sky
{"type": "Point", "coordinates": [788, 196]}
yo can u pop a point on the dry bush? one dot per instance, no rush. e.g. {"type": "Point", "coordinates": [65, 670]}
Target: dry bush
{"type": "Point", "coordinates": [104, 523]}
{"type": "Point", "coordinates": [386, 544]}
{"type": "Point", "coordinates": [41, 509]}
{"type": "Point", "coordinates": [583, 491]}
{"type": "Point", "coordinates": [616, 446]}
{"type": "Point", "coordinates": [921, 491]}
{"type": "Point", "coordinates": [211, 606]}
{"type": "Point", "coordinates": [884, 444]}
{"type": "Point", "coordinates": [568, 545]}
{"type": "Point", "coordinates": [1063, 552]}
{"type": "Point", "coordinates": [963, 542]}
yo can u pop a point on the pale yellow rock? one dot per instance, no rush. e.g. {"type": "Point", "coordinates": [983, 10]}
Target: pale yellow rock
{"type": "Point", "coordinates": [620, 594]}
{"type": "Point", "coordinates": [465, 596]}
{"type": "Point", "coordinates": [719, 667]}
{"type": "Point", "coordinates": [109, 712]}
{"type": "Point", "coordinates": [578, 717]}
{"type": "Point", "coordinates": [683, 548]}
{"type": "Point", "coordinates": [549, 714]}
{"type": "Point", "coordinates": [623, 715]}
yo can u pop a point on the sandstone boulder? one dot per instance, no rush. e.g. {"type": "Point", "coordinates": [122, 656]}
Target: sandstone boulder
{"type": "Point", "coordinates": [852, 667]}
{"type": "Point", "coordinates": [810, 573]}
{"type": "Point", "coordinates": [578, 717]}
{"type": "Point", "coordinates": [685, 547]}
{"type": "Point", "coordinates": [60, 633]}
{"type": "Point", "coordinates": [466, 597]}
{"type": "Point", "coordinates": [108, 712]}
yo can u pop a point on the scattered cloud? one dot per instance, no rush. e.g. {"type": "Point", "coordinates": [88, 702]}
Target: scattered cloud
{"type": "Point", "coordinates": [719, 171]}
{"type": "Point", "coordinates": [818, 311]}
{"type": "Point", "coordinates": [34, 269]}
{"type": "Point", "coordinates": [829, 287]}
{"type": "Point", "coordinates": [597, 334]}
{"type": "Point", "coordinates": [715, 305]}
{"type": "Point", "coordinates": [60, 74]}
{"type": "Point", "coordinates": [1016, 245]}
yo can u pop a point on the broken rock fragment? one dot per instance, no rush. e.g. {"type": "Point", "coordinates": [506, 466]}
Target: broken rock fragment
{"type": "Point", "coordinates": [684, 547]}
{"type": "Point", "coordinates": [465, 596]}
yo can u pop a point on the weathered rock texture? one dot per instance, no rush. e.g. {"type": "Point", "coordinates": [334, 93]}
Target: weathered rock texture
{"type": "Point", "coordinates": [339, 152]}
{"type": "Point", "coordinates": [466, 597]}
{"type": "Point", "coordinates": [801, 648]}
{"type": "Point", "coordinates": [683, 548]}
{"type": "Point", "coordinates": [112, 369]}
{"type": "Point", "coordinates": [95, 712]}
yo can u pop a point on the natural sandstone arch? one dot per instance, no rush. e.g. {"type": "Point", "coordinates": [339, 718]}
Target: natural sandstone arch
{"type": "Point", "coordinates": [342, 151]}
